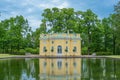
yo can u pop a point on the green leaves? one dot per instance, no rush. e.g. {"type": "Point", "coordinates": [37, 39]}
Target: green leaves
{"type": "Point", "coordinates": [116, 27]}
{"type": "Point", "coordinates": [13, 34]}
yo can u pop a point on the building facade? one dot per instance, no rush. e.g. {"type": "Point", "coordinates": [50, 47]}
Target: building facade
{"type": "Point", "coordinates": [60, 44]}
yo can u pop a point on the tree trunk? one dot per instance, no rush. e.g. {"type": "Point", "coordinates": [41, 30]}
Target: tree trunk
{"type": "Point", "coordinates": [114, 44]}
{"type": "Point", "coordinates": [88, 40]}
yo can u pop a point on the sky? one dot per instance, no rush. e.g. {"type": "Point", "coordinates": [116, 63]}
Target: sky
{"type": "Point", "coordinates": [32, 9]}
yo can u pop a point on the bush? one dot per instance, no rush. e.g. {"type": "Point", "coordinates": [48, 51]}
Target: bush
{"type": "Point", "coordinates": [21, 52]}
{"type": "Point", "coordinates": [84, 51]}
{"type": "Point", "coordinates": [28, 50]}
{"type": "Point", "coordinates": [103, 53]}
{"type": "Point", "coordinates": [31, 50]}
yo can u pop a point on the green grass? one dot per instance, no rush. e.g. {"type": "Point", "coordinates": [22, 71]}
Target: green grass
{"type": "Point", "coordinates": [6, 55]}
{"type": "Point", "coordinates": [114, 56]}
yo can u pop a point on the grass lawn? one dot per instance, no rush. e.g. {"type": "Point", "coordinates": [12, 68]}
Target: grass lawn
{"type": "Point", "coordinates": [114, 56]}
{"type": "Point", "coordinates": [6, 55]}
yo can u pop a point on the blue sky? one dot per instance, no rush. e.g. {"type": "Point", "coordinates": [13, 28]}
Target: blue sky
{"type": "Point", "coordinates": [32, 9]}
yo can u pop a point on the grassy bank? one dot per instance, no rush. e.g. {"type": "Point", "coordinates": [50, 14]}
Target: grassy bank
{"type": "Point", "coordinates": [114, 56]}
{"type": "Point", "coordinates": [6, 55]}
{"type": "Point", "coordinates": [9, 55]}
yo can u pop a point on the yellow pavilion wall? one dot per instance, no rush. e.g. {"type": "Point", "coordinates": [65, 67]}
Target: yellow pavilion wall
{"type": "Point", "coordinates": [71, 43]}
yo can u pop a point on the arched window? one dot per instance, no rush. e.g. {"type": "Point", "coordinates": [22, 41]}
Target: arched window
{"type": "Point", "coordinates": [59, 64]}
{"type": "Point", "coordinates": [74, 63]}
{"type": "Point", "coordinates": [66, 42]}
{"type": "Point", "coordinates": [44, 64]}
{"type": "Point", "coordinates": [59, 49]}
{"type": "Point", "coordinates": [66, 50]}
{"type": "Point", "coordinates": [44, 49]}
{"type": "Point", "coordinates": [52, 49]}
{"type": "Point", "coordinates": [74, 49]}
{"type": "Point", "coordinates": [66, 64]}
{"type": "Point", "coordinates": [52, 42]}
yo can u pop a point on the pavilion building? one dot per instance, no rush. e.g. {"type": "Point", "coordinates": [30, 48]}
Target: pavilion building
{"type": "Point", "coordinates": [60, 44]}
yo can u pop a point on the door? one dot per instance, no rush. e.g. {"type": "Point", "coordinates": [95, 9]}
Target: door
{"type": "Point", "coordinates": [59, 49]}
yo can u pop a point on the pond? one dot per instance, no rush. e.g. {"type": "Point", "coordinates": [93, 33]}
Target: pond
{"type": "Point", "coordinates": [59, 69]}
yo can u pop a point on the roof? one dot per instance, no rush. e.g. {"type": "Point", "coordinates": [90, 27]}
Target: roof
{"type": "Point", "coordinates": [73, 36]}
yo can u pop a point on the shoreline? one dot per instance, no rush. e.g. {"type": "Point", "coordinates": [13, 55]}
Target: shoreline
{"type": "Point", "coordinates": [38, 56]}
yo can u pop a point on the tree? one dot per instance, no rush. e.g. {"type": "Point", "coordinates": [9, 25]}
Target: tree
{"type": "Point", "coordinates": [90, 20]}
{"type": "Point", "coordinates": [13, 32]}
{"type": "Point", "coordinates": [58, 20]}
{"type": "Point", "coordinates": [117, 26]}
{"type": "Point", "coordinates": [107, 29]}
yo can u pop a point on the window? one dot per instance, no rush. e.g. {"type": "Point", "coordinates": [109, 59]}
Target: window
{"type": "Point", "coordinates": [44, 49]}
{"type": "Point", "coordinates": [59, 64]}
{"type": "Point", "coordinates": [52, 42]}
{"type": "Point", "coordinates": [52, 64]}
{"type": "Point", "coordinates": [59, 49]}
{"type": "Point", "coordinates": [44, 64]}
{"type": "Point", "coordinates": [74, 64]}
{"type": "Point", "coordinates": [52, 49]}
{"type": "Point", "coordinates": [66, 42]}
{"type": "Point", "coordinates": [66, 50]}
{"type": "Point", "coordinates": [74, 49]}
{"type": "Point", "coordinates": [66, 64]}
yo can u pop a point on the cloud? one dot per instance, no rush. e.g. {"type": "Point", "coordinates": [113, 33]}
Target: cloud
{"type": "Point", "coordinates": [30, 9]}
{"type": "Point", "coordinates": [57, 3]}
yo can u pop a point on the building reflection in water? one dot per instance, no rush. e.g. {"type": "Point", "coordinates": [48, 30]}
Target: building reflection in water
{"type": "Point", "coordinates": [63, 69]}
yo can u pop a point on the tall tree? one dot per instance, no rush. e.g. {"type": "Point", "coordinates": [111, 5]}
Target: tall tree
{"type": "Point", "coordinates": [58, 20]}
{"type": "Point", "coordinates": [13, 33]}
{"type": "Point", "coordinates": [107, 34]}
{"type": "Point", "coordinates": [117, 26]}
{"type": "Point", "coordinates": [90, 20]}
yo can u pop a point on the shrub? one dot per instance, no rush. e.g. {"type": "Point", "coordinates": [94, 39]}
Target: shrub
{"type": "Point", "coordinates": [31, 50]}
{"type": "Point", "coordinates": [21, 52]}
{"type": "Point", "coordinates": [104, 53]}
{"type": "Point", "coordinates": [84, 50]}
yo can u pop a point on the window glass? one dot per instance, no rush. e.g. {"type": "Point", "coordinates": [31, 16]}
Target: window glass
{"type": "Point", "coordinates": [66, 50]}
{"type": "Point", "coordinates": [74, 49]}
{"type": "Point", "coordinates": [59, 64]}
{"type": "Point", "coordinates": [66, 42]}
{"type": "Point", "coordinates": [59, 49]}
{"type": "Point", "coordinates": [52, 49]}
{"type": "Point", "coordinates": [44, 49]}
{"type": "Point", "coordinates": [52, 42]}
{"type": "Point", "coordinates": [74, 63]}
{"type": "Point", "coordinates": [44, 64]}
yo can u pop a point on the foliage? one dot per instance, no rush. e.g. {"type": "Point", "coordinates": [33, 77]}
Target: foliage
{"type": "Point", "coordinates": [22, 52]}
{"type": "Point", "coordinates": [116, 28]}
{"type": "Point", "coordinates": [14, 35]}
{"type": "Point", "coordinates": [31, 50]}
{"type": "Point", "coordinates": [103, 53]}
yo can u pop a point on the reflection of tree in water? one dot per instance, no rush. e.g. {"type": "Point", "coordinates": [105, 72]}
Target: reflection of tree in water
{"type": "Point", "coordinates": [102, 69]}
{"type": "Point", "coordinates": [19, 69]}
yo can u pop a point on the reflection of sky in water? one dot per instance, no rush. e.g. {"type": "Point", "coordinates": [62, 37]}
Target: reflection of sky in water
{"type": "Point", "coordinates": [24, 76]}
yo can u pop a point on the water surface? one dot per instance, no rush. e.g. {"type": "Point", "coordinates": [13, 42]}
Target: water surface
{"type": "Point", "coordinates": [59, 69]}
